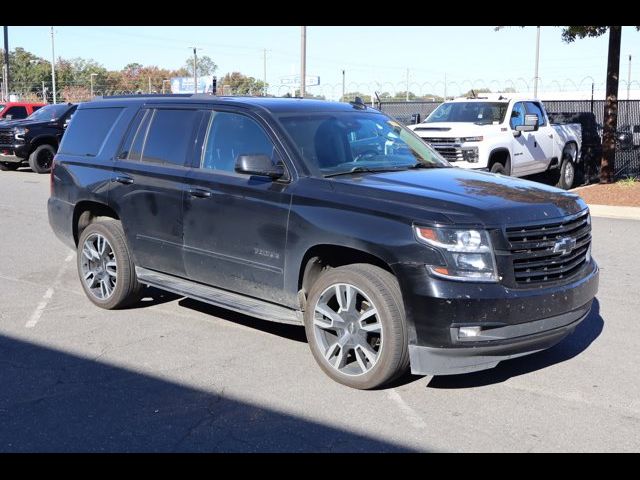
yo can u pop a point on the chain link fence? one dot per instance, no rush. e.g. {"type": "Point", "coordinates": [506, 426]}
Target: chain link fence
{"type": "Point", "coordinates": [589, 113]}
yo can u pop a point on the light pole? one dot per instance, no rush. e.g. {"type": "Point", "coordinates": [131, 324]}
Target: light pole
{"type": "Point", "coordinates": [342, 99]}
{"type": "Point", "coordinates": [629, 80]}
{"type": "Point", "coordinates": [53, 68]}
{"type": "Point", "coordinates": [195, 69]}
{"type": "Point", "coordinates": [91, 80]}
{"type": "Point", "coordinates": [303, 60]}
{"type": "Point", "coordinates": [535, 80]}
{"type": "Point", "coordinates": [6, 62]}
{"type": "Point", "coordinates": [264, 76]}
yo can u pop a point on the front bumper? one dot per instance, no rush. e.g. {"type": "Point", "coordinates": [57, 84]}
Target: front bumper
{"type": "Point", "coordinates": [514, 322]}
{"type": "Point", "coordinates": [13, 153]}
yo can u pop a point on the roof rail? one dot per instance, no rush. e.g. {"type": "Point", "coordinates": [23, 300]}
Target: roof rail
{"type": "Point", "coordinates": [149, 95]}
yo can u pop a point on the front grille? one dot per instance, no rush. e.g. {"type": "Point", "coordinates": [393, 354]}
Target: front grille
{"type": "Point", "coordinates": [439, 140]}
{"type": "Point", "coordinates": [532, 250]}
{"type": "Point", "coordinates": [6, 137]}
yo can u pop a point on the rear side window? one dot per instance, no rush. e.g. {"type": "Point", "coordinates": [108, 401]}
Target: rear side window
{"type": "Point", "coordinates": [132, 147]}
{"type": "Point", "coordinates": [88, 131]}
{"type": "Point", "coordinates": [17, 113]}
{"type": "Point", "coordinates": [37, 107]}
{"type": "Point", "coordinates": [170, 134]}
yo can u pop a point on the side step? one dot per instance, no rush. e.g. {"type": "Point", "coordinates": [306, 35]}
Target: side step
{"type": "Point", "coordinates": [220, 298]}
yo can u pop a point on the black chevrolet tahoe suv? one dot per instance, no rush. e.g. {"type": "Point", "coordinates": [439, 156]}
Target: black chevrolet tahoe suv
{"type": "Point", "coordinates": [331, 215]}
{"type": "Point", "coordinates": [34, 140]}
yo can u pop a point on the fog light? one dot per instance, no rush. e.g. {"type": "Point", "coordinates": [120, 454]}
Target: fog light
{"type": "Point", "coordinates": [464, 332]}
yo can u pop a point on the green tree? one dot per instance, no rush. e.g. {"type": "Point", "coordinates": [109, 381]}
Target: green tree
{"type": "Point", "coordinates": [571, 33]}
{"type": "Point", "coordinates": [351, 96]}
{"type": "Point", "coordinates": [402, 95]}
{"type": "Point", "coordinates": [241, 84]}
{"type": "Point", "coordinates": [206, 66]}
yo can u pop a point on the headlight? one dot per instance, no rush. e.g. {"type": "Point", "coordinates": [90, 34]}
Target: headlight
{"type": "Point", "coordinates": [471, 139]}
{"type": "Point", "coordinates": [468, 253]}
{"type": "Point", "coordinates": [19, 132]}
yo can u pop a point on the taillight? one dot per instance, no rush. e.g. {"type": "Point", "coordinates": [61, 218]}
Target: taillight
{"type": "Point", "coordinates": [53, 166]}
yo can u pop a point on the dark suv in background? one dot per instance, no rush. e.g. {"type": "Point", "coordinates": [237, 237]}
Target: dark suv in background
{"type": "Point", "coordinates": [330, 215]}
{"type": "Point", "coordinates": [35, 139]}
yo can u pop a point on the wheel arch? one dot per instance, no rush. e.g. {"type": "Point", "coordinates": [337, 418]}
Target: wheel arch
{"type": "Point", "coordinates": [87, 212]}
{"type": "Point", "coordinates": [500, 155]}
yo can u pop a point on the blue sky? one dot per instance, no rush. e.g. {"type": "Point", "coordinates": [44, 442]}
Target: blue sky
{"type": "Point", "coordinates": [375, 58]}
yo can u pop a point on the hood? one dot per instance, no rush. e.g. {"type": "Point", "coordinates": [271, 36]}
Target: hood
{"type": "Point", "coordinates": [453, 129]}
{"type": "Point", "coordinates": [466, 196]}
{"type": "Point", "coordinates": [24, 122]}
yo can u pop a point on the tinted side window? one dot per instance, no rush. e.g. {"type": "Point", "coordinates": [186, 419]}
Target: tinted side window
{"type": "Point", "coordinates": [230, 135]}
{"type": "Point", "coordinates": [37, 107]}
{"type": "Point", "coordinates": [138, 125]}
{"type": "Point", "coordinates": [17, 113]}
{"type": "Point", "coordinates": [88, 131]}
{"type": "Point", "coordinates": [517, 115]}
{"type": "Point", "coordinates": [535, 109]}
{"type": "Point", "coordinates": [170, 134]}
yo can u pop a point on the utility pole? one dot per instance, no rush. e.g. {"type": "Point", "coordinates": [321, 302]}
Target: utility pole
{"type": "Point", "coordinates": [445, 87]}
{"type": "Point", "coordinates": [407, 84]}
{"type": "Point", "coordinates": [91, 79]}
{"type": "Point", "coordinates": [195, 69]}
{"type": "Point", "coordinates": [264, 73]}
{"type": "Point", "coordinates": [44, 92]}
{"type": "Point", "coordinates": [149, 84]}
{"type": "Point", "coordinates": [629, 81]}
{"type": "Point", "coordinates": [6, 62]}
{"type": "Point", "coordinates": [343, 99]}
{"type": "Point", "coordinates": [303, 61]}
{"type": "Point", "coordinates": [53, 68]}
{"type": "Point", "coordinates": [535, 79]}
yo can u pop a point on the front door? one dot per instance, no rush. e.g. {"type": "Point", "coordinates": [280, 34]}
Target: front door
{"type": "Point", "coordinates": [235, 225]}
{"type": "Point", "coordinates": [148, 185]}
{"type": "Point", "coordinates": [522, 159]}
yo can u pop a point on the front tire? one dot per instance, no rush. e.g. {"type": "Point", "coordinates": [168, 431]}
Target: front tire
{"type": "Point", "coordinates": [355, 325]}
{"type": "Point", "coordinates": [499, 168]}
{"type": "Point", "coordinates": [568, 174]}
{"type": "Point", "coordinates": [41, 159]}
{"type": "Point", "coordinates": [105, 266]}
{"type": "Point", "coordinates": [9, 166]}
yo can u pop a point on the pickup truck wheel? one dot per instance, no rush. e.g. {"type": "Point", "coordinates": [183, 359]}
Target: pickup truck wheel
{"type": "Point", "coordinates": [567, 174]}
{"type": "Point", "coordinates": [5, 166]}
{"type": "Point", "coordinates": [498, 168]}
{"type": "Point", "coordinates": [355, 326]}
{"type": "Point", "coordinates": [105, 266]}
{"type": "Point", "coordinates": [41, 159]}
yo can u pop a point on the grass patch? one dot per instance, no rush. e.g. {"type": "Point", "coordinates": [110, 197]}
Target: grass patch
{"type": "Point", "coordinates": [628, 182]}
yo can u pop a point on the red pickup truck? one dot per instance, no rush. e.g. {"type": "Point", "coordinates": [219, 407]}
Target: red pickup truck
{"type": "Point", "coordinates": [18, 110]}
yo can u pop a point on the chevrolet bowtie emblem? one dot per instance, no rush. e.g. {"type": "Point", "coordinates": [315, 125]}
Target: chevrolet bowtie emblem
{"type": "Point", "coordinates": [564, 246]}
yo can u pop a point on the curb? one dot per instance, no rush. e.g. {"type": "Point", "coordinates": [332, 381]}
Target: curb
{"type": "Point", "coordinates": [609, 211]}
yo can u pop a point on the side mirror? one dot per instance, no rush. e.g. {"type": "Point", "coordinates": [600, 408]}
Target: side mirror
{"type": "Point", "coordinates": [258, 165]}
{"type": "Point", "coordinates": [415, 118]}
{"type": "Point", "coordinates": [530, 124]}
{"type": "Point", "coordinates": [8, 117]}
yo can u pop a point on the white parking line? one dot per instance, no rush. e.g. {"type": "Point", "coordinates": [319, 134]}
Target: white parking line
{"type": "Point", "coordinates": [37, 313]}
{"type": "Point", "coordinates": [409, 413]}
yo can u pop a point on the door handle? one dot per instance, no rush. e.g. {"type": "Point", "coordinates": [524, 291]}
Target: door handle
{"type": "Point", "coordinates": [199, 193]}
{"type": "Point", "coordinates": [551, 135]}
{"type": "Point", "coordinates": [124, 179]}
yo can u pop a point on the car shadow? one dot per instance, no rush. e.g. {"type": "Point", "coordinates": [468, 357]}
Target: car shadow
{"type": "Point", "coordinates": [585, 333]}
{"type": "Point", "coordinates": [154, 296]}
{"type": "Point", "coordinates": [52, 400]}
{"type": "Point", "coordinates": [284, 330]}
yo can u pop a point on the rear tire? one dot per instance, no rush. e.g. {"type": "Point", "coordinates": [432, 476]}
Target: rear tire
{"type": "Point", "coordinates": [9, 166]}
{"type": "Point", "coordinates": [41, 159]}
{"type": "Point", "coordinates": [347, 353]}
{"type": "Point", "coordinates": [105, 266]}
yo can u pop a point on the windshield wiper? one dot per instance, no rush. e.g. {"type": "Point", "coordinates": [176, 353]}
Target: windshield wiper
{"type": "Point", "coordinates": [484, 123]}
{"type": "Point", "coordinates": [424, 165]}
{"type": "Point", "coordinates": [362, 169]}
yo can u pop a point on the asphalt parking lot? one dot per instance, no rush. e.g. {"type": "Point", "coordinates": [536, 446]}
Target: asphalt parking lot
{"type": "Point", "coordinates": [178, 375]}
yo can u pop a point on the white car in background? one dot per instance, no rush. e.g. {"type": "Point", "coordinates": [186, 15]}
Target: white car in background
{"type": "Point", "coordinates": [506, 135]}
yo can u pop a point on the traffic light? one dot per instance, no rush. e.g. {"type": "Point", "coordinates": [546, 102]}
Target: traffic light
{"type": "Point", "coordinates": [214, 85]}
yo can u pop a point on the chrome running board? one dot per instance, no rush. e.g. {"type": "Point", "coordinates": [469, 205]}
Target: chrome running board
{"type": "Point", "coordinates": [220, 298]}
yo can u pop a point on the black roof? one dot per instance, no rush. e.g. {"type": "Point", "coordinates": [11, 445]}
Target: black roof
{"type": "Point", "coordinates": [271, 104]}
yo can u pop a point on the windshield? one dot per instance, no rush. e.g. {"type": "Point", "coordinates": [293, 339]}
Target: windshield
{"type": "Point", "coordinates": [343, 142]}
{"type": "Point", "coordinates": [49, 112]}
{"type": "Point", "coordinates": [476, 112]}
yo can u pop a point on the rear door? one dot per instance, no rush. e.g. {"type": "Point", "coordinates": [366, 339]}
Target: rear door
{"type": "Point", "coordinates": [148, 181]}
{"type": "Point", "coordinates": [542, 149]}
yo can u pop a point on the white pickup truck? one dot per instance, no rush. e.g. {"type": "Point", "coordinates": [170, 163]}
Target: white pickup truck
{"type": "Point", "coordinates": [511, 136]}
